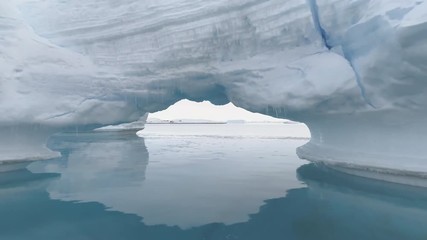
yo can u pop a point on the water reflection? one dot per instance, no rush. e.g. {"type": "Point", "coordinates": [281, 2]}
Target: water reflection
{"type": "Point", "coordinates": [340, 206]}
{"type": "Point", "coordinates": [102, 189]}
{"type": "Point", "coordinates": [96, 165]}
{"type": "Point", "coordinates": [27, 212]}
{"type": "Point", "coordinates": [22, 178]}
{"type": "Point", "coordinates": [208, 177]}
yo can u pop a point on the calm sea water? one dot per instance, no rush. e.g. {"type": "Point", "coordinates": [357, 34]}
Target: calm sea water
{"type": "Point", "coordinates": [200, 182]}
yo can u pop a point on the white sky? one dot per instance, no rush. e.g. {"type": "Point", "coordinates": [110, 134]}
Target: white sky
{"type": "Point", "coordinates": [186, 109]}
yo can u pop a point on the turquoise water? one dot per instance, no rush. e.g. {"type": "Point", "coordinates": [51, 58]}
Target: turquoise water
{"type": "Point", "coordinates": [200, 182]}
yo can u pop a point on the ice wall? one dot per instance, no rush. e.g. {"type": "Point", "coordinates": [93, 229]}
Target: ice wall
{"type": "Point", "coordinates": [385, 44]}
{"type": "Point", "coordinates": [353, 71]}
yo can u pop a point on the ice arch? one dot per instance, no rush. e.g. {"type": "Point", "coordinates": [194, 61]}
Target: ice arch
{"type": "Point", "coordinates": [353, 71]}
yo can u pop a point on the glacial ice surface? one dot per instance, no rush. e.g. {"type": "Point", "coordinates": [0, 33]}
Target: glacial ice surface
{"type": "Point", "coordinates": [353, 71]}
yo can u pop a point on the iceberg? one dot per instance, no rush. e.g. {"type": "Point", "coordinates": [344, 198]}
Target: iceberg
{"type": "Point", "coordinates": [353, 71]}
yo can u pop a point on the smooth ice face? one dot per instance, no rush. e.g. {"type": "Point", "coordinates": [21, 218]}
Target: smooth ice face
{"type": "Point", "coordinates": [353, 71]}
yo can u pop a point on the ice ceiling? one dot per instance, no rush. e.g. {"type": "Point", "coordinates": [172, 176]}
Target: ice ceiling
{"type": "Point", "coordinates": [354, 71]}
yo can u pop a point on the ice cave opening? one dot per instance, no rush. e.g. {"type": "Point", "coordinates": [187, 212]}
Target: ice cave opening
{"type": "Point", "coordinates": [205, 118]}
{"type": "Point", "coordinates": [205, 111]}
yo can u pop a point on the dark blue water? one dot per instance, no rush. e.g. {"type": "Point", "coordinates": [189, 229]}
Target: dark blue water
{"type": "Point", "coordinates": [199, 186]}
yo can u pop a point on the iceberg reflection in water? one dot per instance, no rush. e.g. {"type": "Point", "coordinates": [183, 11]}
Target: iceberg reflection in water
{"type": "Point", "coordinates": [107, 187]}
